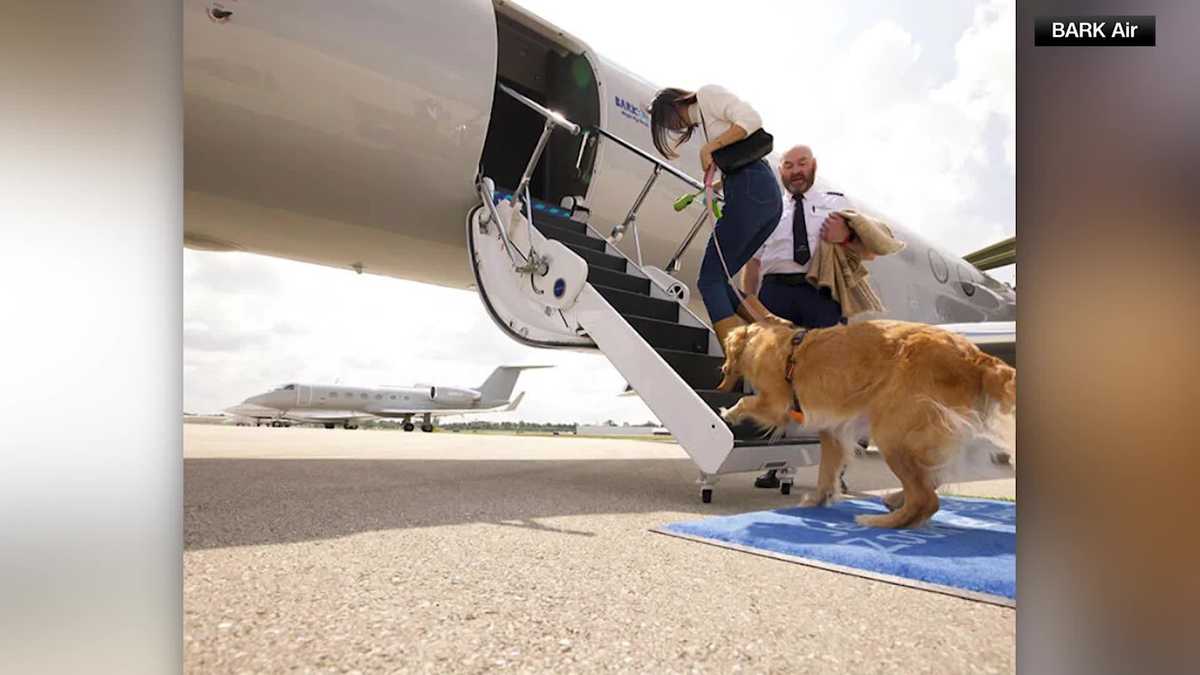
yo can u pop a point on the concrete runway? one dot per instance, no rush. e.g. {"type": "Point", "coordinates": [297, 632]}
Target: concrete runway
{"type": "Point", "coordinates": [379, 551]}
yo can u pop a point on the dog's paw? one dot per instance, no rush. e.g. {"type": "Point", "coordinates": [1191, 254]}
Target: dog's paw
{"type": "Point", "coordinates": [894, 500]}
{"type": "Point", "coordinates": [889, 521]}
{"type": "Point", "coordinates": [817, 498]}
{"type": "Point", "coordinates": [874, 521]}
{"type": "Point", "coordinates": [730, 415]}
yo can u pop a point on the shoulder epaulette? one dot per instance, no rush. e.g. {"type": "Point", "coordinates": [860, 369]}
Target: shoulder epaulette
{"type": "Point", "coordinates": [838, 194]}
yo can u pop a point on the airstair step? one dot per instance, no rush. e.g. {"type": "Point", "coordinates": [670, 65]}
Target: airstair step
{"type": "Point", "coordinates": [764, 442]}
{"type": "Point", "coordinates": [560, 221]}
{"type": "Point", "coordinates": [597, 259]}
{"type": "Point", "coordinates": [668, 335]}
{"type": "Point", "coordinates": [749, 431]}
{"type": "Point", "coordinates": [717, 399]}
{"type": "Point", "coordinates": [632, 304]}
{"type": "Point", "coordinates": [619, 280]}
{"type": "Point", "coordinates": [725, 399]}
{"type": "Point", "coordinates": [700, 371]}
{"type": "Point", "coordinates": [566, 236]}
{"type": "Point", "coordinates": [545, 211]}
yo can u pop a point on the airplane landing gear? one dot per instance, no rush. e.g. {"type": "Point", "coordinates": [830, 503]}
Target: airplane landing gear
{"type": "Point", "coordinates": [408, 426]}
{"type": "Point", "coordinates": [707, 483]}
{"type": "Point", "coordinates": [427, 428]}
{"type": "Point", "coordinates": [428, 423]}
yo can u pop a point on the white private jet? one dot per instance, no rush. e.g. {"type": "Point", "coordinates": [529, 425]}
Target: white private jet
{"type": "Point", "coordinates": [334, 405]}
{"type": "Point", "coordinates": [380, 137]}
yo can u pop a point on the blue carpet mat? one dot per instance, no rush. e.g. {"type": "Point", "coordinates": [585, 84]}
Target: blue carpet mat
{"type": "Point", "coordinates": [968, 548]}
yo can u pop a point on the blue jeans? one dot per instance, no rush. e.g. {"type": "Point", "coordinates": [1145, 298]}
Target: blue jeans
{"type": "Point", "coordinates": [753, 206]}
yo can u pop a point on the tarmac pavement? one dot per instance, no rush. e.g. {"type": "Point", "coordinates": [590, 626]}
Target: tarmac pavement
{"type": "Point", "coordinates": [314, 550]}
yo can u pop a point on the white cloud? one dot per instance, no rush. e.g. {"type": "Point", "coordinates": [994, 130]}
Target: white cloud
{"type": "Point", "coordinates": [986, 81]}
{"type": "Point", "coordinates": [918, 149]}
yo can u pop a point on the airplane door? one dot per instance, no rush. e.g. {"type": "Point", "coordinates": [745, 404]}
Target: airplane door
{"type": "Point", "coordinates": [303, 396]}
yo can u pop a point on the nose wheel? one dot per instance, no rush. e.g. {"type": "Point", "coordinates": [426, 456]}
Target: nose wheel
{"type": "Point", "coordinates": [707, 483]}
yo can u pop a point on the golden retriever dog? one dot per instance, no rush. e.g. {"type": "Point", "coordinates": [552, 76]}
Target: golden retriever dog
{"type": "Point", "coordinates": [923, 394]}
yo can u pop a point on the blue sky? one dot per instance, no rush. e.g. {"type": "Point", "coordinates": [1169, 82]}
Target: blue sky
{"type": "Point", "coordinates": [908, 106]}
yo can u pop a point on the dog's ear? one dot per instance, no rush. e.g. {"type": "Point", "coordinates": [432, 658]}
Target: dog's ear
{"type": "Point", "coordinates": [734, 345]}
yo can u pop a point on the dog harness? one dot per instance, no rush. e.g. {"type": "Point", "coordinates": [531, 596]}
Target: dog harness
{"type": "Point", "coordinates": [795, 412]}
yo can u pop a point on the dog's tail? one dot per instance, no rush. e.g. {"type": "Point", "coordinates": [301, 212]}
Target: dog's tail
{"type": "Point", "coordinates": [990, 428]}
{"type": "Point", "coordinates": [1000, 384]}
{"type": "Point", "coordinates": [999, 404]}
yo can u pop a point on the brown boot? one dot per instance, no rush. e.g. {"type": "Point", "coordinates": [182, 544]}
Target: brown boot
{"type": "Point", "coordinates": [753, 310]}
{"type": "Point", "coordinates": [743, 310]}
{"type": "Point", "coordinates": [725, 326]}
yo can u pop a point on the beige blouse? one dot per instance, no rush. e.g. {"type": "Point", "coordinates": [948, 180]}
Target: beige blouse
{"type": "Point", "coordinates": [721, 111]}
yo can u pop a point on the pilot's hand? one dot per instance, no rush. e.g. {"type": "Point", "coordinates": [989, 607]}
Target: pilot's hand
{"type": "Point", "coordinates": [835, 229]}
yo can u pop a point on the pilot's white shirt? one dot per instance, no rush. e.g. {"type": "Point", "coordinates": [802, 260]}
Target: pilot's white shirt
{"type": "Point", "coordinates": [776, 253]}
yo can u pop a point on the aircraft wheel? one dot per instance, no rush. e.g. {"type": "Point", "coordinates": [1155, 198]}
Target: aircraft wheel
{"type": "Point", "coordinates": [785, 488]}
{"type": "Point", "coordinates": [330, 426]}
{"type": "Point", "coordinates": [408, 426]}
{"type": "Point", "coordinates": [427, 428]}
{"type": "Point", "coordinates": [706, 495]}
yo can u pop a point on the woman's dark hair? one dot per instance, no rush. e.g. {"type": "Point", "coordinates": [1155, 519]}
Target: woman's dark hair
{"type": "Point", "coordinates": [667, 122]}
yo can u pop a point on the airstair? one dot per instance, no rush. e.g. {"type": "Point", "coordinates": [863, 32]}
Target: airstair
{"type": "Point", "coordinates": [549, 280]}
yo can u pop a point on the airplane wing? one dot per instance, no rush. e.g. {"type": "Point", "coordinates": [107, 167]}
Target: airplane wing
{"type": "Point", "coordinates": [444, 412]}
{"type": "Point", "coordinates": [328, 416]}
{"type": "Point", "coordinates": [998, 338]}
{"type": "Point", "coordinates": [253, 411]}
{"type": "Point", "coordinates": [440, 412]}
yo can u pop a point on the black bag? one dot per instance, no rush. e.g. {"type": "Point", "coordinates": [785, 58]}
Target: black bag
{"type": "Point", "coordinates": [743, 153]}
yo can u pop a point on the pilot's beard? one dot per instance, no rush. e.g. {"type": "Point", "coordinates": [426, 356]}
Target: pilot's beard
{"type": "Point", "coordinates": [799, 190]}
{"type": "Point", "coordinates": [807, 185]}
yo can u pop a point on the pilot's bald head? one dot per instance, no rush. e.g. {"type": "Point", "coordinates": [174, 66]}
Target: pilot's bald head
{"type": "Point", "coordinates": [798, 169]}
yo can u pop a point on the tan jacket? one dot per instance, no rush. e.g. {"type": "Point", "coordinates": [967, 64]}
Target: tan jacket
{"type": "Point", "coordinates": [841, 270]}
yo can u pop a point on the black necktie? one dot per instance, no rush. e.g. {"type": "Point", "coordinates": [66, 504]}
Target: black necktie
{"type": "Point", "coordinates": [800, 252]}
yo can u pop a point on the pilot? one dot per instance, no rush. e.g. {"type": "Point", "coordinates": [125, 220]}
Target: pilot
{"type": "Point", "coordinates": [776, 273]}
{"type": "Point", "coordinates": [752, 200]}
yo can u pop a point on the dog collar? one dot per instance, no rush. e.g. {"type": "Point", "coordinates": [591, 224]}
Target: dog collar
{"type": "Point", "coordinates": [795, 413]}
{"type": "Point", "coordinates": [797, 338]}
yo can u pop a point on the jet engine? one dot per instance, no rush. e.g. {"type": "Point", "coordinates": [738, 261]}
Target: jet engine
{"type": "Point", "coordinates": [454, 395]}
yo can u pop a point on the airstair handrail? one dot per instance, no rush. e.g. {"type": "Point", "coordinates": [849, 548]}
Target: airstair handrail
{"type": "Point", "coordinates": [672, 265]}
{"type": "Point", "coordinates": [542, 110]}
{"type": "Point", "coordinates": [649, 158]}
{"type": "Point", "coordinates": [556, 119]}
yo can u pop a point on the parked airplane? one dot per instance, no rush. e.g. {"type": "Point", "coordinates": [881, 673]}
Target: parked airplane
{"type": "Point", "coordinates": [337, 405]}
{"type": "Point", "coordinates": [378, 137]}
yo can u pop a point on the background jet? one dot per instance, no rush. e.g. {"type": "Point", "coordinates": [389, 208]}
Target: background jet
{"type": "Point", "coordinates": [337, 405]}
